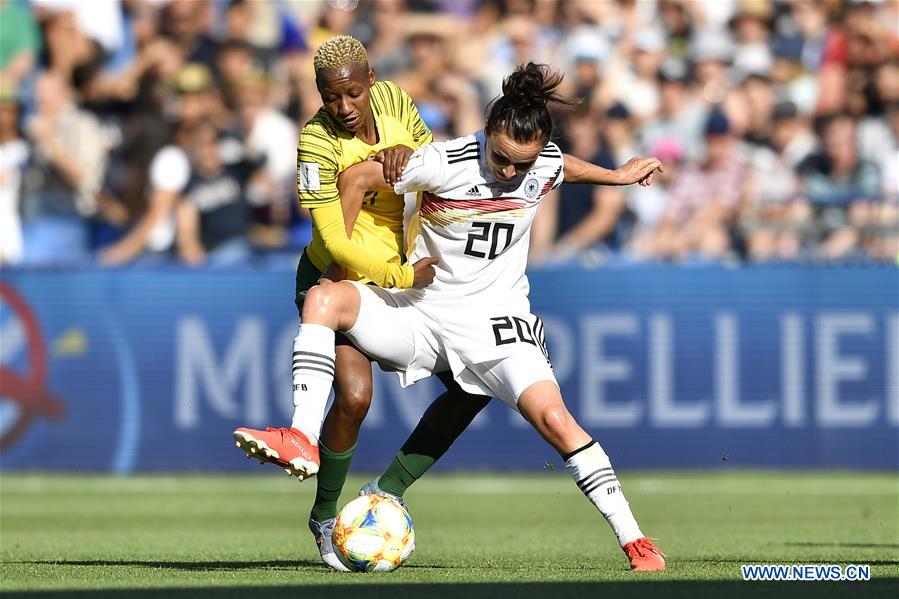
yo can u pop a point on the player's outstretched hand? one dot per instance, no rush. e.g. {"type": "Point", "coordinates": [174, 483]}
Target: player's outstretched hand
{"type": "Point", "coordinates": [424, 272]}
{"type": "Point", "coordinates": [638, 170]}
{"type": "Point", "coordinates": [394, 160]}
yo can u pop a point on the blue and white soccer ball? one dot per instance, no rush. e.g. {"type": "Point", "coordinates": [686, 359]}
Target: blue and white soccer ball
{"type": "Point", "coordinates": [373, 533]}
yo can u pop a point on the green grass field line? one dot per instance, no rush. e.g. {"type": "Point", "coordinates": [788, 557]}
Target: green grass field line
{"type": "Point", "coordinates": [478, 535]}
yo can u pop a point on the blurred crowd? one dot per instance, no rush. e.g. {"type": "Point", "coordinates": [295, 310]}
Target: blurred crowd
{"type": "Point", "coordinates": [155, 131]}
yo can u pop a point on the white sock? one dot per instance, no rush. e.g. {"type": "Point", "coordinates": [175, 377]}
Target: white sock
{"type": "Point", "coordinates": [592, 472]}
{"type": "Point", "coordinates": [313, 375]}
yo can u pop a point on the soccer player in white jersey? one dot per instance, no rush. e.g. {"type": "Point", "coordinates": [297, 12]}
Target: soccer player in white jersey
{"type": "Point", "coordinates": [479, 197]}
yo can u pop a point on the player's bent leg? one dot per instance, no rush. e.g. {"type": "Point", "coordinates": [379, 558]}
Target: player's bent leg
{"type": "Point", "coordinates": [542, 405]}
{"type": "Point", "coordinates": [451, 413]}
{"type": "Point", "coordinates": [352, 398]}
{"type": "Point", "coordinates": [295, 449]}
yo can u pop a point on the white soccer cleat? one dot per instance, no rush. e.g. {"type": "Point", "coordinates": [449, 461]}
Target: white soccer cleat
{"type": "Point", "coordinates": [322, 533]}
{"type": "Point", "coordinates": [372, 488]}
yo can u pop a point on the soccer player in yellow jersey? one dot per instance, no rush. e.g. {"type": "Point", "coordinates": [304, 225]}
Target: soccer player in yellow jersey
{"type": "Point", "coordinates": [360, 119]}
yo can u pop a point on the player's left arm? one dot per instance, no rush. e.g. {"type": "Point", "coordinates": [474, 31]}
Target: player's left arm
{"type": "Point", "coordinates": [635, 170]}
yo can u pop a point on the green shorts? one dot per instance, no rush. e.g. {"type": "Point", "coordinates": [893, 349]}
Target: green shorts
{"type": "Point", "coordinates": [307, 277]}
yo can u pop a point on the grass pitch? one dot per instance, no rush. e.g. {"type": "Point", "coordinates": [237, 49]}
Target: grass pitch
{"type": "Point", "coordinates": [477, 536]}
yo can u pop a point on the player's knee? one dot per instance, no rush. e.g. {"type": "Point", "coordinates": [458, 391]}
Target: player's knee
{"type": "Point", "coordinates": [320, 301]}
{"type": "Point", "coordinates": [353, 400]}
{"type": "Point", "coordinates": [555, 422]}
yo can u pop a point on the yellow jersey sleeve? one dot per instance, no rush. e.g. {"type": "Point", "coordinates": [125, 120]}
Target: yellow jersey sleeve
{"type": "Point", "coordinates": [317, 163]}
{"type": "Point", "coordinates": [328, 220]}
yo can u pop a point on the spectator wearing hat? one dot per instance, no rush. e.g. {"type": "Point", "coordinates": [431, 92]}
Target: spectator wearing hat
{"type": "Point", "coordinates": [705, 198]}
{"type": "Point", "coordinates": [198, 97]}
{"type": "Point", "coordinates": [714, 76]}
{"type": "Point", "coordinates": [618, 132]}
{"type": "Point", "coordinates": [711, 54]}
{"type": "Point", "coordinates": [791, 78]}
{"type": "Point", "coordinates": [637, 86]}
{"type": "Point", "coordinates": [584, 51]}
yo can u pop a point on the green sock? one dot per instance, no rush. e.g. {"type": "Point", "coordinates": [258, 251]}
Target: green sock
{"type": "Point", "coordinates": [329, 481]}
{"type": "Point", "coordinates": [420, 451]}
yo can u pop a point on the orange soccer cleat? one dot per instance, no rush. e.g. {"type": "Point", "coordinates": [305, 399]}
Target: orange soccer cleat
{"type": "Point", "coordinates": [284, 447]}
{"type": "Point", "coordinates": [644, 556]}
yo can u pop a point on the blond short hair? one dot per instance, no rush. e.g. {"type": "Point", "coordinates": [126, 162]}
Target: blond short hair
{"type": "Point", "coordinates": [339, 52]}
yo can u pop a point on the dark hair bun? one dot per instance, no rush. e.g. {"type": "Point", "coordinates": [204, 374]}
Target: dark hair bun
{"type": "Point", "coordinates": [531, 84]}
{"type": "Point", "coordinates": [522, 112]}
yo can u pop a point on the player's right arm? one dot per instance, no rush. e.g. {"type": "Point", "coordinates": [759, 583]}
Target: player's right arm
{"type": "Point", "coordinates": [352, 184]}
{"type": "Point", "coordinates": [317, 190]}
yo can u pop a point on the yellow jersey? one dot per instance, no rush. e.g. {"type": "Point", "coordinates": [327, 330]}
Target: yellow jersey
{"type": "Point", "coordinates": [326, 148]}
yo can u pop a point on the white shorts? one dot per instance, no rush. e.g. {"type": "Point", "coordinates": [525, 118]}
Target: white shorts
{"type": "Point", "coordinates": [491, 350]}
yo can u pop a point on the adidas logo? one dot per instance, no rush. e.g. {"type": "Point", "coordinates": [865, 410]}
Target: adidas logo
{"type": "Point", "coordinates": [473, 192]}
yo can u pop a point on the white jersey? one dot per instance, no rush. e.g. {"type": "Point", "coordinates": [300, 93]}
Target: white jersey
{"type": "Point", "coordinates": [475, 318]}
{"type": "Point", "coordinates": [478, 227]}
